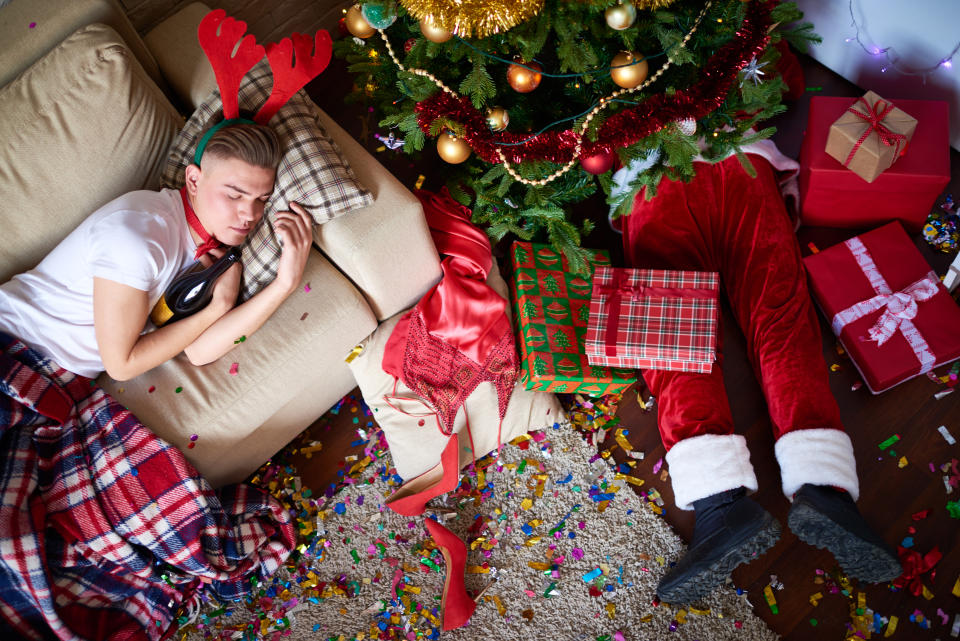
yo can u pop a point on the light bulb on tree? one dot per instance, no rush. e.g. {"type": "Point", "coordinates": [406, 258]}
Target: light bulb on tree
{"type": "Point", "coordinates": [357, 24]}
{"type": "Point", "coordinates": [628, 69]}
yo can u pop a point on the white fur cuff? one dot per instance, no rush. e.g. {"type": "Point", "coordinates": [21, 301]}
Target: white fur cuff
{"type": "Point", "coordinates": [705, 465]}
{"type": "Point", "coordinates": [820, 456]}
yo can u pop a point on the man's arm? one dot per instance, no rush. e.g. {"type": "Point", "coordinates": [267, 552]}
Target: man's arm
{"type": "Point", "coordinates": [119, 315]}
{"type": "Point", "coordinates": [294, 230]}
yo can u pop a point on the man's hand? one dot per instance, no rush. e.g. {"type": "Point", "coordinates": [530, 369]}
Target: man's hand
{"type": "Point", "coordinates": [294, 228]}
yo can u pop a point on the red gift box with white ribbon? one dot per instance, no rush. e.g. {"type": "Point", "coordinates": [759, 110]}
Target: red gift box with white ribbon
{"type": "Point", "coordinates": [891, 312]}
{"type": "Point", "coordinates": [653, 319]}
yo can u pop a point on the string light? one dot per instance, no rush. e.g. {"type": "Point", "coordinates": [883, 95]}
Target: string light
{"type": "Point", "coordinates": [892, 60]}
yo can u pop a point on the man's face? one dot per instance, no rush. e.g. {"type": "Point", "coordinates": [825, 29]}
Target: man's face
{"type": "Point", "coordinates": [229, 195]}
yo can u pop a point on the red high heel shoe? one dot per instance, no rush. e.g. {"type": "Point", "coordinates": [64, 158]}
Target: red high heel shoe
{"type": "Point", "coordinates": [456, 607]}
{"type": "Point", "coordinates": [411, 499]}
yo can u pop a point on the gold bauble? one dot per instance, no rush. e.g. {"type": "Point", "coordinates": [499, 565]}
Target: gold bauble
{"type": "Point", "coordinates": [433, 33]}
{"type": "Point", "coordinates": [633, 74]}
{"type": "Point", "coordinates": [621, 16]}
{"type": "Point", "coordinates": [498, 118]}
{"type": "Point", "coordinates": [357, 24]}
{"type": "Point", "coordinates": [524, 80]}
{"type": "Point", "coordinates": [452, 149]}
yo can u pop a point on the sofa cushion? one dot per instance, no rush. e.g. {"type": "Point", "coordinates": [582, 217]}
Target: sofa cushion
{"type": "Point", "coordinates": [312, 171]}
{"type": "Point", "coordinates": [81, 126]}
{"type": "Point", "coordinates": [411, 429]}
{"type": "Point", "coordinates": [303, 340]}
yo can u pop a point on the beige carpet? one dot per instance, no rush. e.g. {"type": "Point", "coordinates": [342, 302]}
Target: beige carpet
{"type": "Point", "coordinates": [575, 552]}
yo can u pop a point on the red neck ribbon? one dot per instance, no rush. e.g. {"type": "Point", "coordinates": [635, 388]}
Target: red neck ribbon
{"type": "Point", "coordinates": [209, 242]}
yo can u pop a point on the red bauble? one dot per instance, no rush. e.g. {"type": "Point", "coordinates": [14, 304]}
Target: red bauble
{"type": "Point", "coordinates": [599, 163]}
{"type": "Point", "coordinates": [408, 45]}
{"type": "Point", "coordinates": [342, 27]}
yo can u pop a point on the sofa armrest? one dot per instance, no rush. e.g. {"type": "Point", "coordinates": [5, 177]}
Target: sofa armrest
{"type": "Point", "coordinates": [386, 248]}
{"type": "Point", "coordinates": [182, 62]}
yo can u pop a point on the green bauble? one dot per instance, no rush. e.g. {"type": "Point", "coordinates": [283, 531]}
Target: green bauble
{"type": "Point", "coordinates": [380, 16]}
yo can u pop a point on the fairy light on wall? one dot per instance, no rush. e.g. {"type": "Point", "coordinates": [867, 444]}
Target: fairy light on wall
{"type": "Point", "coordinates": [891, 60]}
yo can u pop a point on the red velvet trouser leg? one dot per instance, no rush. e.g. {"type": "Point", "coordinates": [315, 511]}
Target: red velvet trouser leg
{"type": "Point", "coordinates": [728, 222]}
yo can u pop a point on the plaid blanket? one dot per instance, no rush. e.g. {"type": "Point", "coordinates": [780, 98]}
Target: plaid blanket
{"type": "Point", "coordinates": [105, 530]}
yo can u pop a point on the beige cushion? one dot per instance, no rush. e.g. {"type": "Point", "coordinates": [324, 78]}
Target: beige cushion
{"type": "Point", "coordinates": [312, 172]}
{"type": "Point", "coordinates": [273, 365]}
{"type": "Point", "coordinates": [55, 20]}
{"type": "Point", "coordinates": [415, 448]}
{"type": "Point", "coordinates": [83, 125]}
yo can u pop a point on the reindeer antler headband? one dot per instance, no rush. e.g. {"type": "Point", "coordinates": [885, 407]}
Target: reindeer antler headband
{"type": "Point", "coordinates": [232, 54]}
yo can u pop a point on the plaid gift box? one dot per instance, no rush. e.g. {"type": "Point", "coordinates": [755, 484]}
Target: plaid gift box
{"type": "Point", "coordinates": [653, 319]}
{"type": "Point", "coordinates": [551, 307]}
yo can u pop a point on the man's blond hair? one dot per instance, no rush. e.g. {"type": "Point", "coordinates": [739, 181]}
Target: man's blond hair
{"type": "Point", "coordinates": [254, 144]}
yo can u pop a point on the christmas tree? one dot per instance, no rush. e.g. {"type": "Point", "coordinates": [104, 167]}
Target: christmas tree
{"type": "Point", "coordinates": [536, 103]}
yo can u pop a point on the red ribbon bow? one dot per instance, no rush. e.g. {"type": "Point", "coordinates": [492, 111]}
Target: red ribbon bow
{"type": "Point", "coordinates": [620, 289]}
{"type": "Point", "coordinates": [874, 116]}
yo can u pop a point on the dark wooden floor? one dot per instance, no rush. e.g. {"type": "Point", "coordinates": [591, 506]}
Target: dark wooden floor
{"type": "Point", "coordinates": [890, 494]}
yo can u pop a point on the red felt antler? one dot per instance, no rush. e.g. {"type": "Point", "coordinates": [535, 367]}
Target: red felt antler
{"type": "Point", "coordinates": [228, 67]}
{"type": "Point", "coordinates": [289, 77]}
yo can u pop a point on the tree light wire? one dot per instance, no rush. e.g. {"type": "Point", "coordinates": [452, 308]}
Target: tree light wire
{"type": "Point", "coordinates": [590, 114]}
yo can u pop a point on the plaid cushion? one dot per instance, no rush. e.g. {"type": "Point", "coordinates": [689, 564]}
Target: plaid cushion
{"type": "Point", "coordinates": [312, 172]}
{"type": "Point", "coordinates": [653, 319]}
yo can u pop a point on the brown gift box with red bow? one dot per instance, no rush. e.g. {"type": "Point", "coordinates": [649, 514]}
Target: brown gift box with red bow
{"type": "Point", "coordinates": [870, 135]}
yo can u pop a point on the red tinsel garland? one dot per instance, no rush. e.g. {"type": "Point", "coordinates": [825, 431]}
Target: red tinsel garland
{"type": "Point", "coordinates": [623, 128]}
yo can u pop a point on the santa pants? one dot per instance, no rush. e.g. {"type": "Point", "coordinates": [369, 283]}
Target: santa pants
{"type": "Point", "coordinates": [728, 222]}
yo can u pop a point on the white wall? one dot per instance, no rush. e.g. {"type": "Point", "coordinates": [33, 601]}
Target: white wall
{"type": "Point", "coordinates": [918, 33]}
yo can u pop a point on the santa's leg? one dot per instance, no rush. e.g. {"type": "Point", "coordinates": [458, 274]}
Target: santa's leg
{"type": "Point", "coordinates": [767, 286]}
{"type": "Point", "coordinates": [709, 465]}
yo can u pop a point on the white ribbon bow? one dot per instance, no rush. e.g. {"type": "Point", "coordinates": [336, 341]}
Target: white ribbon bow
{"type": "Point", "coordinates": [899, 308]}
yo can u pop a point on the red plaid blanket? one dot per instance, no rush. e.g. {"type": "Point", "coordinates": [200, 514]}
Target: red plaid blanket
{"type": "Point", "coordinates": [104, 528]}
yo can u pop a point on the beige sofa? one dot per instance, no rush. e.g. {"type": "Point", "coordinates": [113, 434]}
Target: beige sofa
{"type": "Point", "coordinates": [88, 113]}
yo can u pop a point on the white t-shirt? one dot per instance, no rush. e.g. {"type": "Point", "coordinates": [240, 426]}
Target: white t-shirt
{"type": "Point", "coordinates": [141, 239]}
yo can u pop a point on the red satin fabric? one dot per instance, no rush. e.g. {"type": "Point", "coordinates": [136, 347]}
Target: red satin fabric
{"type": "Point", "coordinates": [728, 222]}
{"type": "Point", "coordinates": [458, 335]}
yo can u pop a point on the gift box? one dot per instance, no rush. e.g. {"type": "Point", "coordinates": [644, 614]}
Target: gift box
{"type": "Point", "coordinates": [870, 136]}
{"type": "Point", "coordinates": [833, 196]}
{"type": "Point", "coordinates": [891, 312]}
{"type": "Point", "coordinates": [653, 319]}
{"type": "Point", "coordinates": [551, 309]}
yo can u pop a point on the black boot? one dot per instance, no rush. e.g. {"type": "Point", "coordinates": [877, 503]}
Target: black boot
{"type": "Point", "coordinates": [828, 518]}
{"type": "Point", "coordinates": [730, 529]}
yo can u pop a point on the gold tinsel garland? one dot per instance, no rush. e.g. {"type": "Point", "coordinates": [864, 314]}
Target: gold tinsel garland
{"type": "Point", "coordinates": [475, 18]}
{"type": "Point", "coordinates": [652, 5]}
